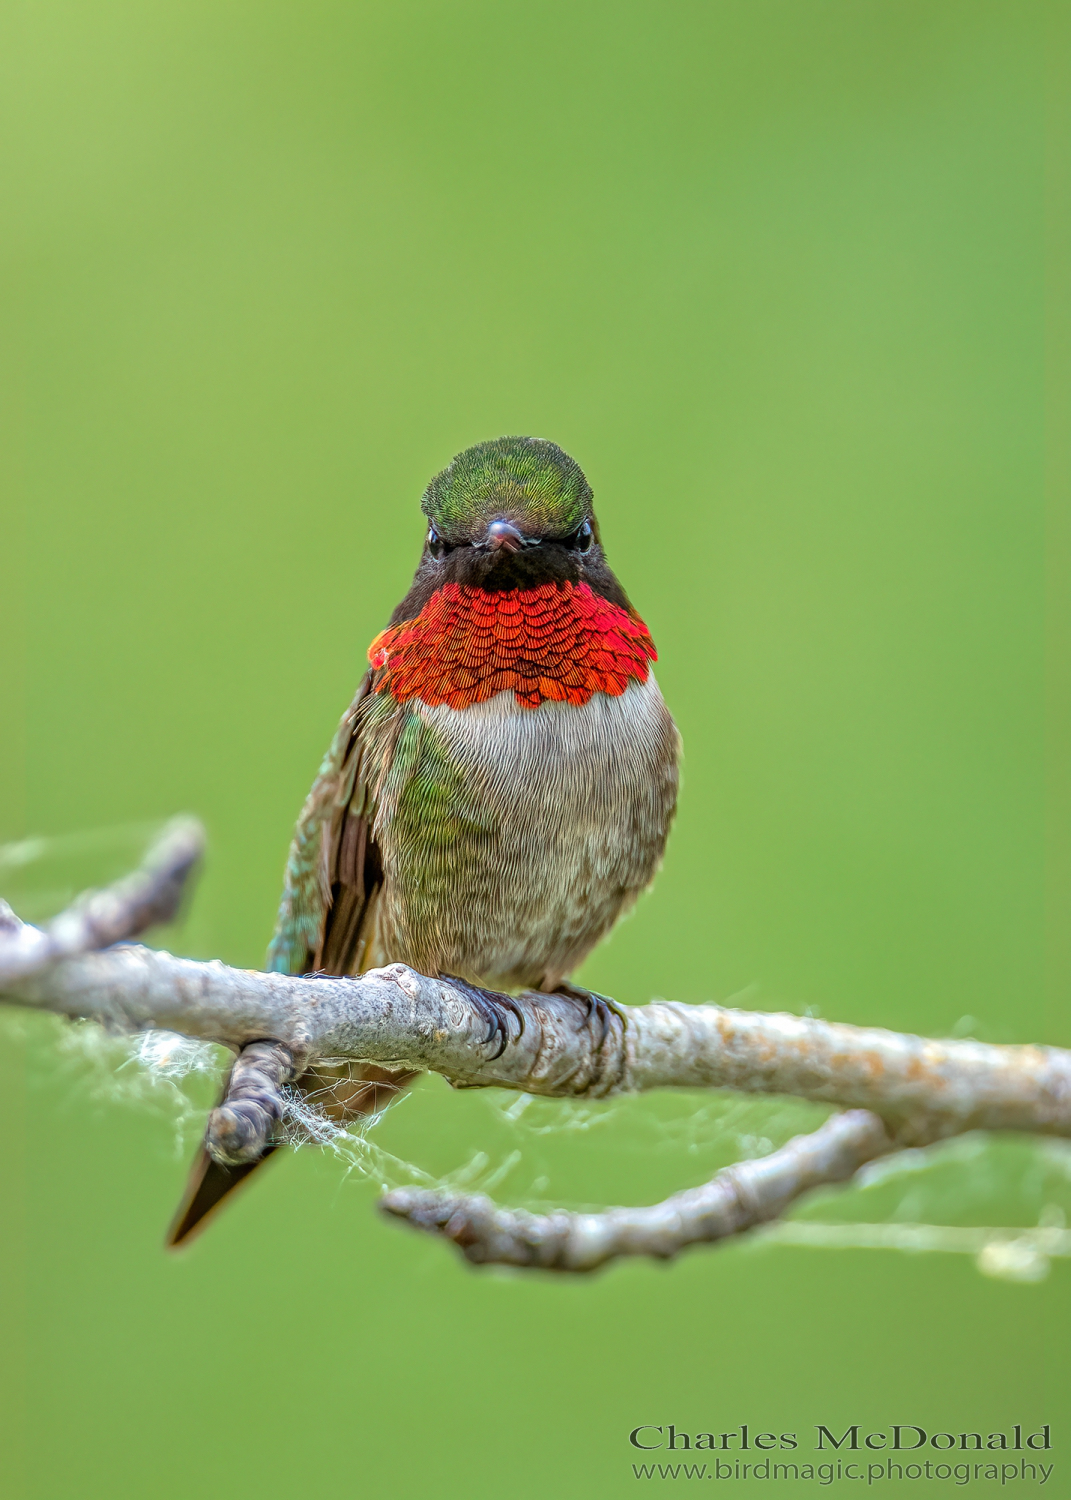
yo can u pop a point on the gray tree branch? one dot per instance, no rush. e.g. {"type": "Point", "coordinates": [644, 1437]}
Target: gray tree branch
{"type": "Point", "coordinates": [557, 1046]}
{"type": "Point", "coordinates": [737, 1199]}
{"type": "Point", "coordinates": [900, 1090]}
{"type": "Point", "coordinates": [242, 1125]}
{"type": "Point", "coordinates": [148, 897]}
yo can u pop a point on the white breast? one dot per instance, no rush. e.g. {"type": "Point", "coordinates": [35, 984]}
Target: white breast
{"type": "Point", "coordinates": [576, 803]}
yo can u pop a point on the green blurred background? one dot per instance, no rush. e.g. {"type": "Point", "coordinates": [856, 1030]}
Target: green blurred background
{"type": "Point", "coordinates": [783, 276]}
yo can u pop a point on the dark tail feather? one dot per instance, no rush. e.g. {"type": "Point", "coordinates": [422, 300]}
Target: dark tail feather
{"type": "Point", "coordinates": [208, 1186]}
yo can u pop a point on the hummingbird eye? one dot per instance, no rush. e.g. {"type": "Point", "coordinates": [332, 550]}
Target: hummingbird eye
{"type": "Point", "coordinates": [436, 546]}
{"type": "Point", "coordinates": [581, 540]}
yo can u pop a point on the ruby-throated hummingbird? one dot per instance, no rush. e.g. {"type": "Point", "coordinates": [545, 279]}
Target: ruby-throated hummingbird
{"type": "Point", "coordinates": [500, 789]}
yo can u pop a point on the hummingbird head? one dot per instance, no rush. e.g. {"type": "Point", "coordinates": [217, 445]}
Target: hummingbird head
{"type": "Point", "coordinates": [514, 512]}
{"type": "Point", "coordinates": [512, 591]}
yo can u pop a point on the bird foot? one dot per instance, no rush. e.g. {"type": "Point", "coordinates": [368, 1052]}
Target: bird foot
{"type": "Point", "coordinates": [502, 1015]}
{"type": "Point", "coordinates": [600, 1010]}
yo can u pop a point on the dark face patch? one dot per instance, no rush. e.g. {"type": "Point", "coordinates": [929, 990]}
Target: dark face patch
{"type": "Point", "coordinates": [550, 562]}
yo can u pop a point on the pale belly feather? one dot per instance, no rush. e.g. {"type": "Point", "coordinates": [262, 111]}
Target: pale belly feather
{"type": "Point", "coordinates": [555, 821]}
